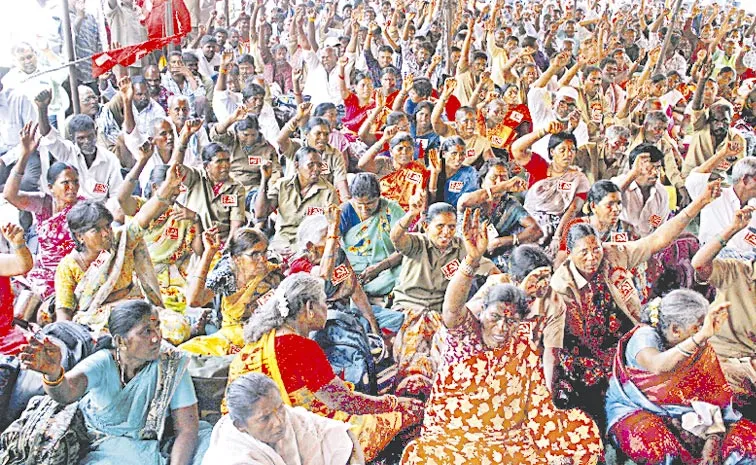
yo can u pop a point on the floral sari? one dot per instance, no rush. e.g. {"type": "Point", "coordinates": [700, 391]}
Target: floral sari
{"type": "Point", "coordinates": [170, 247]}
{"type": "Point", "coordinates": [294, 372]}
{"type": "Point", "coordinates": [549, 198]}
{"type": "Point", "coordinates": [126, 424]}
{"type": "Point", "coordinates": [644, 410]}
{"type": "Point", "coordinates": [492, 406]}
{"type": "Point", "coordinates": [502, 135]}
{"type": "Point", "coordinates": [11, 337]}
{"type": "Point", "coordinates": [367, 243]}
{"type": "Point", "coordinates": [399, 185]}
{"type": "Point", "coordinates": [236, 306]}
{"type": "Point", "coordinates": [54, 243]}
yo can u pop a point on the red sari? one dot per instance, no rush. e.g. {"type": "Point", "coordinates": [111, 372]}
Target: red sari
{"type": "Point", "coordinates": [649, 438]}
{"type": "Point", "coordinates": [399, 185]}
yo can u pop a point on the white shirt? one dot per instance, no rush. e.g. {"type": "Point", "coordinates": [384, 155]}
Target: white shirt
{"type": "Point", "coordinates": [539, 104]}
{"type": "Point", "coordinates": [719, 214]}
{"type": "Point", "coordinates": [145, 118]}
{"type": "Point", "coordinates": [17, 79]}
{"type": "Point", "coordinates": [207, 67]}
{"type": "Point", "coordinates": [321, 85]}
{"type": "Point", "coordinates": [15, 111]}
{"type": "Point", "coordinates": [97, 182]}
{"type": "Point", "coordinates": [645, 217]}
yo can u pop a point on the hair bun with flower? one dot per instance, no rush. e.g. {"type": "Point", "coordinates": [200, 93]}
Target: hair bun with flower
{"type": "Point", "coordinates": [653, 311]}
{"type": "Point", "coordinates": [283, 304]}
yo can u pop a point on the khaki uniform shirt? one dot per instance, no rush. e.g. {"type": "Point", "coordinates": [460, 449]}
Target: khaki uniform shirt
{"type": "Point", "coordinates": [702, 146]}
{"type": "Point", "coordinates": [214, 210]}
{"type": "Point", "coordinates": [465, 87]}
{"type": "Point", "coordinates": [293, 208]}
{"type": "Point", "coordinates": [735, 281]}
{"type": "Point", "coordinates": [245, 166]}
{"type": "Point", "coordinates": [335, 170]}
{"type": "Point", "coordinates": [426, 271]}
{"type": "Point", "coordinates": [619, 259]}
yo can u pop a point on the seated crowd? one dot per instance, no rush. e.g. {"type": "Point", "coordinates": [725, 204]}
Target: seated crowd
{"type": "Point", "coordinates": [394, 232]}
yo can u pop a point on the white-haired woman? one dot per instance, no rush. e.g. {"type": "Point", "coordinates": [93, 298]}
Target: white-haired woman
{"type": "Point", "coordinates": [669, 400]}
{"type": "Point", "coordinates": [277, 344]}
{"type": "Point", "coordinates": [260, 429]}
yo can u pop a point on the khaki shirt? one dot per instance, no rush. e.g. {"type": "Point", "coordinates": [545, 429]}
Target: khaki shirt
{"type": "Point", "coordinates": [214, 210]}
{"type": "Point", "coordinates": [335, 170]}
{"type": "Point", "coordinates": [702, 146]}
{"type": "Point", "coordinates": [293, 208]}
{"type": "Point", "coordinates": [465, 87]}
{"type": "Point", "coordinates": [426, 272]}
{"type": "Point", "coordinates": [245, 166]}
{"type": "Point", "coordinates": [619, 259]}
{"type": "Point", "coordinates": [735, 281]}
{"type": "Point", "coordinates": [595, 164]}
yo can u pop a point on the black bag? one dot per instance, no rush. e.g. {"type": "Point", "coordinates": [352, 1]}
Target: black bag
{"type": "Point", "coordinates": [347, 348]}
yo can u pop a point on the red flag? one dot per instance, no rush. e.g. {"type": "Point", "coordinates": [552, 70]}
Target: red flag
{"type": "Point", "coordinates": [127, 56]}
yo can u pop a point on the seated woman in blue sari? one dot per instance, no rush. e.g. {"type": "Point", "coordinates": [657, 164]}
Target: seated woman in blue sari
{"type": "Point", "coordinates": [126, 394]}
{"type": "Point", "coordinates": [366, 221]}
{"type": "Point", "coordinates": [448, 174]}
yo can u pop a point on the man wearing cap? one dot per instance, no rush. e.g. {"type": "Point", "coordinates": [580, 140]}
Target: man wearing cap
{"type": "Point", "coordinates": [207, 56]}
{"type": "Point", "coordinates": [563, 109]}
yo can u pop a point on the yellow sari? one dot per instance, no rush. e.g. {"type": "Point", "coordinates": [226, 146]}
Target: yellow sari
{"type": "Point", "coordinates": [373, 431]}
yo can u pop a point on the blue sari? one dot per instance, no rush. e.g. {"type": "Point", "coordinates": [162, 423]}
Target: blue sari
{"type": "Point", "coordinates": [126, 424]}
{"type": "Point", "coordinates": [463, 181]}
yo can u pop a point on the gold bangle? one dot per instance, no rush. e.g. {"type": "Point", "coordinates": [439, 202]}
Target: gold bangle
{"type": "Point", "coordinates": [57, 381]}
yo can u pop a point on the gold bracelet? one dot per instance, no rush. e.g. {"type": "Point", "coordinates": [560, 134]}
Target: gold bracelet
{"type": "Point", "coordinates": [57, 381]}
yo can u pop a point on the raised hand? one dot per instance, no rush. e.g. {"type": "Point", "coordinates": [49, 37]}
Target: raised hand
{"type": "Point", "coordinates": [474, 234]}
{"type": "Point", "coordinates": [555, 127]}
{"type": "Point", "coordinates": [449, 85]}
{"type": "Point", "coordinates": [515, 185]}
{"type": "Point", "coordinates": [174, 176]}
{"type": "Point", "coordinates": [434, 160]}
{"type": "Point", "coordinates": [712, 192]}
{"type": "Point", "coordinates": [417, 202]}
{"type": "Point", "coordinates": [191, 126]}
{"type": "Point", "coordinates": [28, 137]}
{"type": "Point", "coordinates": [211, 239]}
{"type": "Point", "coordinates": [227, 59]}
{"type": "Point", "coordinates": [145, 151]}
{"type": "Point", "coordinates": [182, 213]}
{"type": "Point", "coordinates": [125, 88]}
{"type": "Point", "coordinates": [640, 165]}
{"type": "Point", "coordinates": [408, 82]}
{"type": "Point", "coordinates": [742, 218]}
{"type": "Point", "coordinates": [303, 110]}
{"type": "Point", "coordinates": [266, 169]}
{"type": "Point", "coordinates": [390, 132]}
{"type": "Point", "coordinates": [43, 99]}
{"type": "Point", "coordinates": [42, 356]}
{"type": "Point", "coordinates": [240, 113]}
{"type": "Point", "coordinates": [14, 234]}
{"type": "Point", "coordinates": [714, 319]}
{"type": "Point", "coordinates": [333, 215]}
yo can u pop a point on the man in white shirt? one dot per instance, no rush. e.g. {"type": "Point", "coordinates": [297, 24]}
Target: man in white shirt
{"type": "Point", "coordinates": [27, 64]}
{"type": "Point", "coordinates": [645, 201]}
{"type": "Point", "coordinates": [564, 109]}
{"type": "Point", "coordinates": [208, 56]}
{"type": "Point", "coordinates": [15, 111]}
{"type": "Point", "coordinates": [323, 84]}
{"type": "Point", "coordinates": [99, 169]}
{"type": "Point", "coordinates": [720, 213]}
{"type": "Point", "coordinates": [146, 110]}
{"type": "Point", "coordinates": [179, 80]}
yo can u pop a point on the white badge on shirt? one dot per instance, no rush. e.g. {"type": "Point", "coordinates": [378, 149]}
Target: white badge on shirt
{"type": "Point", "coordinates": [100, 188]}
{"type": "Point", "coordinates": [619, 237]}
{"type": "Point", "coordinates": [314, 211]}
{"type": "Point", "coordinates": [623, 283]}
{"type": "Point", "coordinates": [340, 274]}
{"type": "Point", "coordinates": [228, 200]}
{"type": "Point", "coordinates": [497, 141]}
{"type": "Point", "coordinates": [750, 238]}
{"type": "Point", "coordinates": [470, 153]}
{"type": "Point", "coordinates": [655, 221]}
{"type": "Point", "coordinates": [265, 297]}
{"type": "Point", "coordinates": [491, 232]}
{"type": "Point", "coordinates": [254, 161]}
{"type": "Point", "coordinates": [414, 177]}
{"type": "Point", "coordinates": [516, 116]}
{"type": "Point", "coordinates": [172, 233]}
{"type": "Point", "coordinates": [450, 268]}
{"type": "Point", "coordinates": [325, 170]}
{"type": "Point", "coordinates": [456, 186]}
{"type": "Point", "coordinates": [564, 186]}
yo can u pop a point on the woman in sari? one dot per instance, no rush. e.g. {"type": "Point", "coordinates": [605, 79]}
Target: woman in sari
{"type": "Point", "coordinates": [669, 401]}
{"type": "Point", "coordinates": [101, 270]}
{"type": "Point", "coordinates": [15, 264]}
{"type": "Point", "coordinates": [491, 368]}
{"type": "Point", "coordinates": [173, 237]}
{"type": "Point", "coordinates": [366, 222]}
{"type": "Point", "coordinates": [278, 346]}
{"type": "Point", "coordinates": [51, 211]}
{"type": "Point", "coordinates": [357, 104]}
{"type": "Point", "coordinates": [260, 429]}
{"type": "Point", "coordinates": [594, 304]}
{"type": "Point", "coordinates": [505, 120]}
{"type": "Point", "coordinates": [557, 190]}
{"type": "Point", "coordinates": [509, 223]}
{"type": "Point", "coordinates": [421, 130]}
{"type": "Point", "coordinates": [243, 278]}
{"type": "Point", "coordinates": [399, 174]}
{"type": "Point", "coordinates": [126, 394]}
{"type": "Point", "coordinates": [448, 171]}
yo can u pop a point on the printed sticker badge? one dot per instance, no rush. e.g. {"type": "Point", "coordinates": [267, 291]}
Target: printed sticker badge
{"type": "Point", "coordinates": [450, 268]}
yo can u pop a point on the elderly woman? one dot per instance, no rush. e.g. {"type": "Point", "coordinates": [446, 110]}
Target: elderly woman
{"type": "Point", "coordinates": [173, 237]}
{"type": "Point", "coordinates": [243, 278]}
{"type": "Point", "coordinates": [597, 304]}
{"type": "Point", "coordinates": [668, 400]}
{"type": "Point", "coordinates": [448, 172]}
{"type": "Point", "coordinates": [13, 264]}
{"type": "Point", "coordinates": [51, 211]}
{"type": "Point", "coordinates": [557, 190]}
{"type": "Point", "coordinates": [509, 223]}
{"type": "Point", "coordinates": [492, 369]}
{"type": "Point", "coordinates": [365, 227]}
{"type": "Point", "coordinates": [277, 345]}
{"type": "Point", "coordinates": [100, 272]}
{"type": "Point", "coordinates": [429, 261]}
{"type": "Point", "coordinates": [260, 429]}
{"type": "Point", "coordinates": [399, 174]}
{"type": "Point", "coordinates": [126, 394]}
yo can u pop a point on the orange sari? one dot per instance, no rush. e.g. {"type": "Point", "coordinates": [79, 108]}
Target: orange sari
{"type": "Point", "coordinates": [398, 186]}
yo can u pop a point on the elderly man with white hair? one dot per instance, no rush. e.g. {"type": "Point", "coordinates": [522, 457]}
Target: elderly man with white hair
{"type": "Point", "coordinates": [718, 214]}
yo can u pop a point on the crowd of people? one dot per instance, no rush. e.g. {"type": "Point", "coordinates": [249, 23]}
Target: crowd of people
{"type": "Point", "coordinates": [402, 231]}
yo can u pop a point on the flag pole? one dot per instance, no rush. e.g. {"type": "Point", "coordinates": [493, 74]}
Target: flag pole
{"type": "Point", "coordinates": [668, 37]}
{"type": "Point", "coordinates": [169, 24]}
{"type": "Point", "coordinates": [67, 37]}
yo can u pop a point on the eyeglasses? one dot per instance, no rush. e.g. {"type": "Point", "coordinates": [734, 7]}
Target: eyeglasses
{"type": "Point", "coordinates": [255, 254]}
